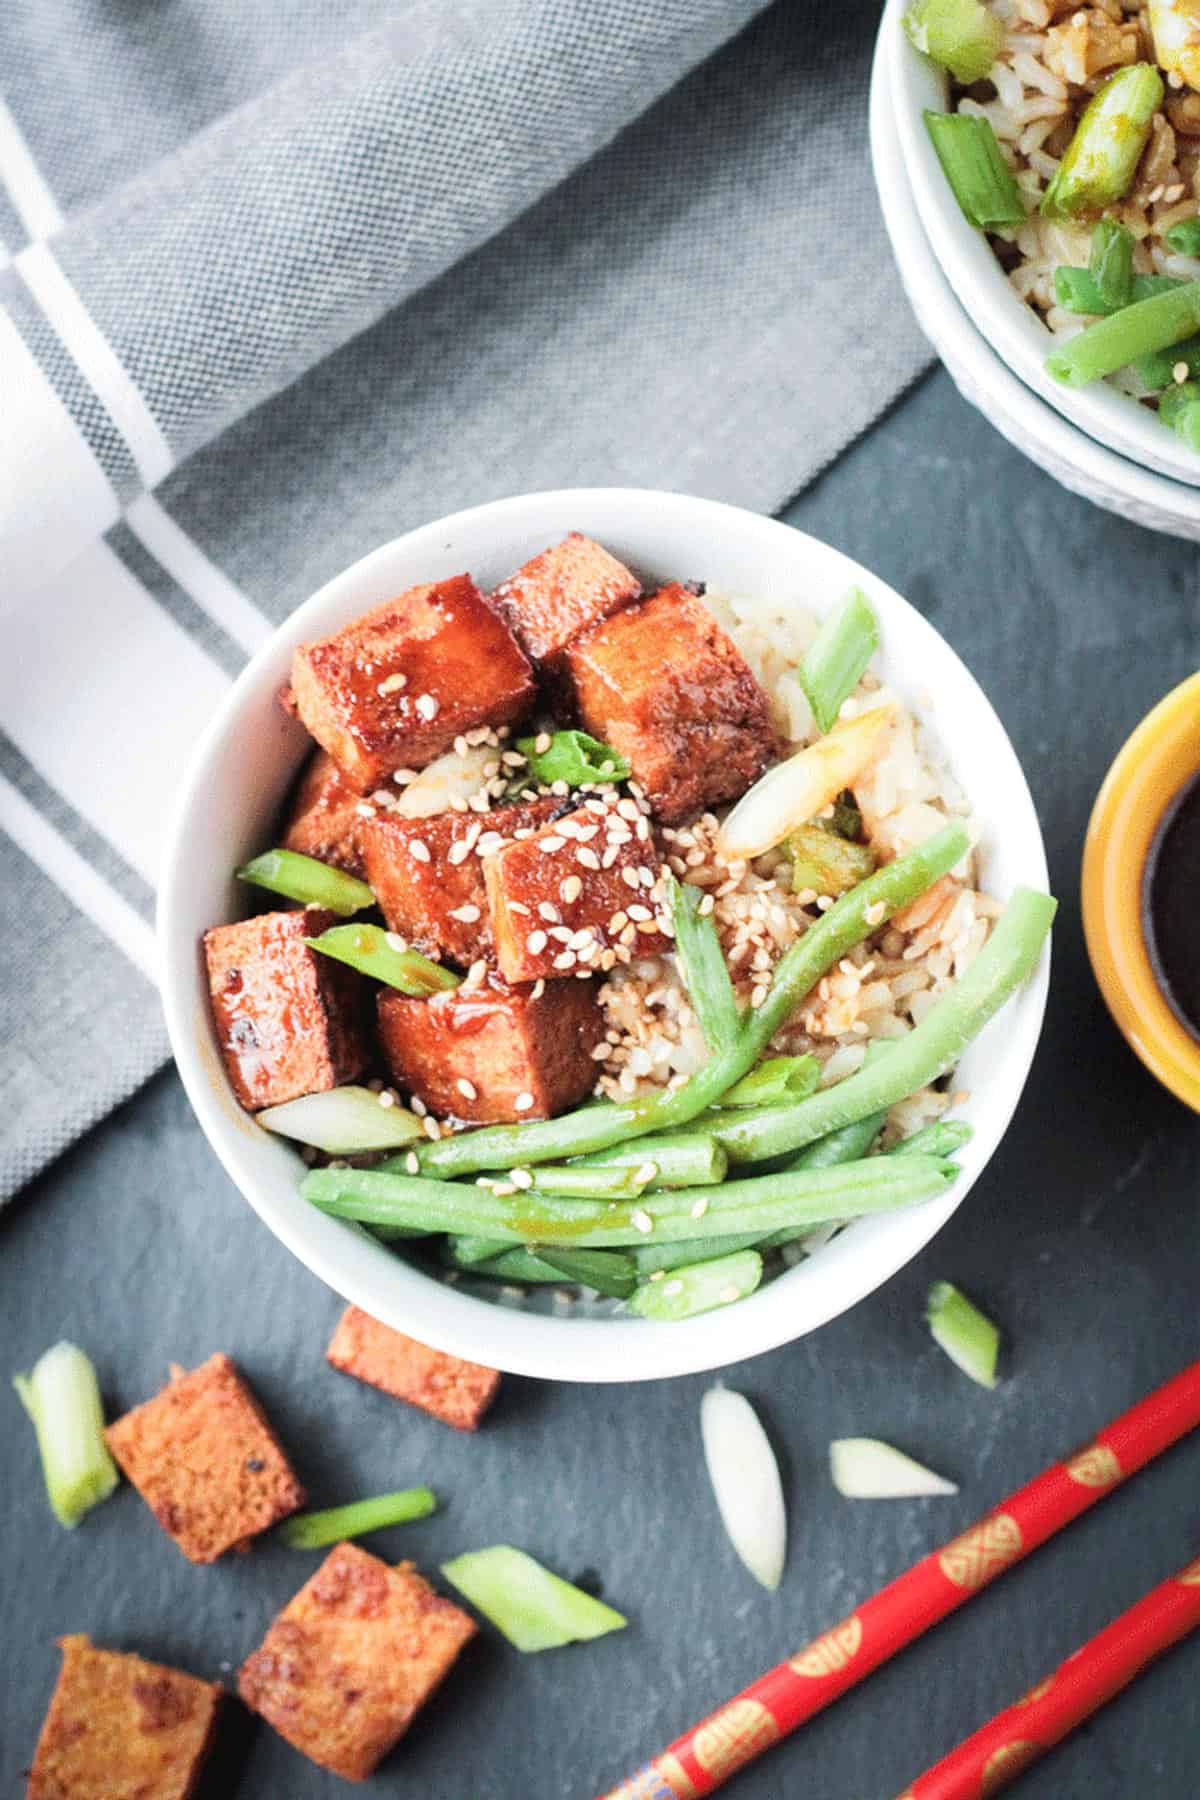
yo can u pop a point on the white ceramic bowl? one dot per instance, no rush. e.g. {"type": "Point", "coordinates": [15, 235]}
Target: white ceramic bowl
{"type": "Point", "coordinates": [1011, 327]}
{"type": "Point", "coordinates": [228, 807]}
{"type": "Point", "coordinates": [1066, 452]}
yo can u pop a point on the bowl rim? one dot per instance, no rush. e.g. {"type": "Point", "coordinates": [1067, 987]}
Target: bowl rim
{"type": "Point", "coordinates": [1105, 414]}
{"type": "Point", "coordinates": [360, 1269]}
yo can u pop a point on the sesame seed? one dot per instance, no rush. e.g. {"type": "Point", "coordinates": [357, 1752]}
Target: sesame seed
{"type": "Point", "coordinates": [1179, 373]}
{"type": "Point", "coordinates": [706, 906]}
{"type": "Point", "coordinates": [519, 906]}
{"type": "Point", "coordinates": [583, 834]}
{"type": "Point", "coordinates": [658, 1274]}
{"type": "Point", "coordinates": [466, 1088]}
{"type": "Point", "coordinates": [412, 1162]}
{"type": "Point", "coordinates": [565, 960]}
{"type": "Point", "coordinates": [512, 759]}
{"type": "Point", "coordinates": [458, 804]}
{"type": "Point", "coordinates": [503, 1189]}
{"type": "Point", "coordinates": [477, 971]}
{"type": "Point", "coordinates": [629, 876]}
{"type": "Point", "coordinates": [395, 942]}
{"type": "Point", "coordinates": [461, 745]}
{"type": "Point", "coordinates": [365, 810]}
{"type": "Point", "coordinates": [560, 789]}
{"type": "Point", "coordinates": [432, 1129]}
{"type": "Point", "coordinates": [548, 845]}
{"type": "Point", "coordinates": [646, 1172]}
{"type": "Point", "coordinates": [520, 1178]}
{"type": "Point", "coordinates": [387, 1098]}
{"type": "Point", "coordinates": [420, 849]}
{"type": "Point", "coordinates": [600, 1053]}
{"type": "Point", "coordinates": [618, 922]}
{"type": "Point", "coordinates": [874, 915]}
{"type": "Point", "coordinates": [419, 1106]}
{"type": "Point", "coordinates": [536, 942]}
{"type": "Point", "coordinates": [466, 915]}
{"type": "Point", "coordinates": [587, 859]}
{"type": "Point", "coordinates": [642, 1220]}
{"type": "Point", "coordinates": [542, 742]}
{"type": "Point", "coordinates": [561, 934]}
{"type": "Point", "coordinates": [458, 852]}
{"type": "Point", "coordinates": [427, 706]}
{"type": "Point", "coordinates": [639, 912]}
{"type": "Point", "coordinates": [730, 1293]}
{"type": "Point", "coordinates": [700, 1208]}
{"type": "Point", "coordinates": [570, 889]}
{"type": "Point", "coordinates": [488, 843]}
{"type": "Point", "coordinates": [610, 856]}
{"type": "Point", "coordinates": [538, 989]}
{"type": "Point", "coordinates": [523, 1102]}
{"type": "Point", "coordinates": [548, 912]}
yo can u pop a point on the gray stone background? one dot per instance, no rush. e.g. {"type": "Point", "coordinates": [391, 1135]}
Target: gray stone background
{"type": "Point", "coordinates": [1082, 1239]}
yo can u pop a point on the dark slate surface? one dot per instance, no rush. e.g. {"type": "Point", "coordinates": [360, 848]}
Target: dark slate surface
{"type": "Point", "coordinates": [1082, 1238]}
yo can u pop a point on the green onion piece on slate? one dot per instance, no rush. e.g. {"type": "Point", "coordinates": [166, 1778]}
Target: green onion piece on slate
{"type": "Point", "coordinates": [1136, 331]}
{"type": "Point", "coordinates": [703, 966]}
{"type": "Point", "coordinates": [959, 35]}
{"type": "Point", "coordinates": [1157, 372]}
{"type": "Point", "coordinates": [1102, 157]}
{"type": "Point", "coordinates": [62, 1397]}
{"type": "Point", "coordinates": [1179, 408]}
{"type": "Point", "coordinates": [971, 159]}
{"type": "Point", "coordinates": [966, 1335]}
{"type": "Point", "coordinates": [1076, 290]}
{"type": "Point", "coordinates": [869, 1469]}
{"type": "Point", "coordinates": [1111, 263]}
{"type": "Point", "coordinates": [699, 1287]}
{"type": "Point", "coordinates": [534, 1609]}
{"type": "Point", "coordinates": [837, 656]}
{"type": "Point", "coordinates": [305, 879]}
{"type": "Point", "coordinates": [313, 1530]}
{"type": "Point", "coordinates": [343, 1121]}
{"type": "Point", "coordinates": [367, 948]}
{"type": "Point", "coordinates": [573, 757]}
{"type": "Point", "coordinates": [682, 1159]}
{"type": "Point", "coordinates": [1184, 238]}
{"type": "Point", "coordinates": [778, 1078]}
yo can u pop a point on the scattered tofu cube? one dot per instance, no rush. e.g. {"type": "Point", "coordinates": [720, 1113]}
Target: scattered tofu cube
{"type": "Point", "coordinates": [428, 874]}
{"type": "Point", "coordinates": [206, 1462]}
{"type": "Point", "coordinates": [455, 1391]}
{"type": "Point", "coordinates": [121, 1728]}
{"type": "Point", "coordinates": [352, 1658]}
{"type": "Point", "coordinates": [582, 893]}
{"type": "Point", "coordinates": [558, 594]}
{"type": "Point", "coordinates": [397, 686]}
{"type": "Point", "coordinates": [323, 818]}
{"type": "Point", "coordinates": [486, 1051]}
{"type": "Point", "coordinates": [289, 1020]}
{"type": "Point", "coordinates": [669, 690]}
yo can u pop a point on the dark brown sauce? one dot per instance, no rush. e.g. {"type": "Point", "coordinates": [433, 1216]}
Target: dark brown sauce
{"type": "Point", "coordinates": [1171, 905]}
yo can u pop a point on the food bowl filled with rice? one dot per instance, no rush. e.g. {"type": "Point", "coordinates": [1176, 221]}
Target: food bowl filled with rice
{"type": "Point", "coordinates": [1054, 156]}
{"type": "Point", "coordinates": [621, 947]}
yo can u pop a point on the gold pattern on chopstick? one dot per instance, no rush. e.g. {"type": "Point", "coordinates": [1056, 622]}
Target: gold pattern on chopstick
{"type": "Point", "coordinates": [827, 1655]}
{"type": "Point", "coordinates": [1096, 1466]}
{"type": "Point", "coordinates": [733, 1737]}
{"type": "Point", "coordinates": [1005, 1764]}
{"type": "Point", "coordinates": [972, 1560]}
{"type": "Point", "coordinates": [1036, 1692]}
{"type": "Point", "coordinates": [1190, 1577]}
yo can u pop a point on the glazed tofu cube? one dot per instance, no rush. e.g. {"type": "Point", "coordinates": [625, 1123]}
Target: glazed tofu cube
{"type": "Point", "coordinates": [323, 816]}
{"type": "Point", "coordinates": [206, 1462]}
{"type": "Point", "coordinates": [486, 1051]}
{"type": "Point", "coordinates": [551, 599]}
{"type": "Point", "coordinates": [352, 1658]}
{"type": "Point", "coordinates": [121, 1728]}
{"type": "Point", "coordinates": [428, 874]}
{"type": "Point", "coordinates": [289, 1020]}
{"type": "Point", "coordinates": [457, 1392]}
{"type": "Point", "coordinates": [664, 685]}
{"type": "Point", "coordinates": [396, 687]}
{"type": "Point", "coordinates": [582, 893]}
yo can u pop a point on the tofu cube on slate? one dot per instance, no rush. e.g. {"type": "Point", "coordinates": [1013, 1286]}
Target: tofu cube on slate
{"type": "Point", "coordinates": [289, 1020]}
{"type": "Point", "coordinates": [670, 691]}
{"type": "Point", "coordinates": [583, 893]}
{"type": "Point", "coordinates": [455, 1391]}
{"type": "Point", "coordinates": [352, 1658]}
{"type": "Point", "coordinates": [397, 686]}
{"type": "Point", "coordinates": [487, 1052]}
{"type": "Point", "coordinates": [323, 816]}
{"type": "Point", "coordinates": [558, 594]}
{"type": "Point", "coordinates": [206, 1462]}
{"type": "Point", "coordinates": [428, 874]}
{"type": "Point", "coordinates": [121, 1728]}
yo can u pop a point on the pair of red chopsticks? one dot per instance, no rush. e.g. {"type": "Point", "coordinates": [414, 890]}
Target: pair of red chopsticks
{"type": "Point", "coordinates": [705, 1757]}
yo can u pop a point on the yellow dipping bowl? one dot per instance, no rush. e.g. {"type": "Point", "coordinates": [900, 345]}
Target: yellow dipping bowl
{"type": "Point", "coordinates": [1153, 767]}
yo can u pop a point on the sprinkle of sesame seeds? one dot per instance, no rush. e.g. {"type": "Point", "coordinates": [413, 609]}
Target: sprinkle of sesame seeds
{"type": "Point", "coordinates": [548, 845]}
{"type": "Point", "coordinates": [419, 1106]}
{"type": "Point", "coordinates": [565, 959]}
{"type": "Point", "coordinates": [641, 1220]}
{"type": "Point", "coordinates": [466, 915]}
{"type": "Point", "coordinates": [824, 902]}
{"type": "Point", "coordinates": [427, 706]}
{"type": "Point", "coordinates": [549, 912]}
{"type": "Point", "coordinates": [466, 1088]}
{"type": "Point", "coordinates": [587, 859]}
{"type": "Point", "coordinates": [673, 1287]}
{"type": "Point", "coordinates": [523, 1102]}
{"type": "Point", "coordinates": [420, 850]}
{"type": "Point", "coordinates": [365, 810]}
{"type": "Point", "coordinates": [706, 906]}
{"type": "Point", "coordinates": [1179, 373]}
{"type": "Point", "coordinates": [658, 1274]}
{"type": "Point", "coordinates": [629, 876]}
{"type": "Point", "coordinates": [700, 1208]}
{"type": "Point", "coordinates": [600, 1053]}
{"type": "Point", "coordinates": [503, 1189]}
{"type": "Point", "coordinates": [458, 852]}
{"type": "Point", "coordinates": [570, 889]}
{"type": "Point", "coordinates": [519, 906]}
{"type": "Point", "coordinates": [645, 1172]}
{"type": "Point", "coordinates": [477, 972]}
{"type": "Point", "coordinates": [542, 742]}
{"type": "Point", "coordinates": [392, 685]}
{"type": "Point", "coordinates": [412, 1162]}
{"type": "Point", "coordinates": [387, 1098]}
{"type": "Point", "coordinates": [536, 942]}
{"type": "Point", "coordinates": [432, 1129]}
{"type": "Point", "coordinates": [638, 911]}
{"type": "Point", "coordinates": [520, 1178]}
{"type": "Point", "coordinates": [538, 989]}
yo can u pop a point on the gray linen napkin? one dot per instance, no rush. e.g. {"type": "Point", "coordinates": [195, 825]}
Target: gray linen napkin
{"type": "Point", "coordinates": [317, 274]}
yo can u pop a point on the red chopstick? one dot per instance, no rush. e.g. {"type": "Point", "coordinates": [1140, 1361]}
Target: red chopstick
{"type": "Point", "coordinates": [705, 1757]}
{"type": "Point", "coordinates": [1007, 1745]}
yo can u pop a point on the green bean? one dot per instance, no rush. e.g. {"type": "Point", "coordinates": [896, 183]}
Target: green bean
{"type": "Point", "coordinates": [576, 1181]}
{"type": "Point", "coordinates": [1180, 409]}
{"type": "Point", "coordinates": [1157, 371]}
{"type": "Point", "coordinates": [681, 1159]}
{"type": "Point", "coordinates": [367, 948]}
{"type": "Point", "coordinates": [1102, 157]}
{"type": "Point", "coordinates": [835, 660]}
{"type": "Point", "coordinates": [1136, 331]}
{"type": "Point", "coordinates": [650, 1258]}
{"type": "Point", "coordinates": [778, 1078]}
{"type": "Point", "coordinates": [305, 879]}
{"type": "Point", "coordinates": [1076, 291]}
{"type": "Point", "coordinates": [942, 1138]}
{"type": "Point", "coordinates": [699, 1287]}
{"type": "Point", "coordinates": [608, 1272]}
{"type": "Point", "coordinates": [703, 967]}
{"type": "Point", "coordinates": [465, 1249]}
{"type": "Point", "coordinates": [1111, 263]}
{"type": "Point", "coordinates": [1184, 238]}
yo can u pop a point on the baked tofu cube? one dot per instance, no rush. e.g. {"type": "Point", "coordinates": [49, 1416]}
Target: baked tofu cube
{"type": "Point", "coordinates": [323, 816]}
{"type": "Point", "coordinates": [457, 1392]}
{"type": "Point", "coordinates": [551, 599]}
{"type": "Point", "coordinates": [289, 1020]}
{"type": "Point", "coordinates": [397, 686]}
{"type": "Point", "coordinates": [206, 1462]}
{"type": "Point", "coordinates": [121, 1728]}
{"type": "Point", "coordinates": [352, 1658]}
{"type": "Point", "coordinates": [486, 1051]}
{"type": "Point", "coordinates": [428, 874]}
{"type": "Point", "coordinates": [664, 685]}
{"type": "Point", "coordinates": [582, 893]}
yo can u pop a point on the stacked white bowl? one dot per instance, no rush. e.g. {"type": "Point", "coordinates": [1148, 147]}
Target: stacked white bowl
{"type": "Point", "coordinates": [1096, 441]}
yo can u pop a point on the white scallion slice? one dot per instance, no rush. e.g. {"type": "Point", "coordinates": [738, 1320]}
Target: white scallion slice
{"type": "Point", "coordinates": [343, 1121]}
{"type": "Point", "coordinates": [795, 791]}
{"type": "Point", "coordinates": [868, 1469]}
{"type": "Point", "coordinates": [533, 1608]}
{"type": "Point", "coordinates": [447, 778]}
{"type": "Point", "coordinates": [966, 1335]}
{"type": "Point", "coordinates": [62, 1397]}
{"type": "Point", "coordinates": [745, 1479]}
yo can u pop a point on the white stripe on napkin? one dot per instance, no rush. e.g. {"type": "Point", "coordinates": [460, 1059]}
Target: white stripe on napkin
{"type": "Point", "coordinates": [35, 204]}
{"type": "Point", "coordinates": [208, 586]}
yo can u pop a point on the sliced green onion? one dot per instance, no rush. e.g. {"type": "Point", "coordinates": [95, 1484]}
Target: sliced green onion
{"type": "Point", "coordinates": [746, 1485]}
{"type": "Point", "coordinates": [836, 658]}
{"type": "Point", "coordinates": [1102, 158]}
{"type": "Point", "coordinates": [824, 862]}
{"type": "Point", "coordinates": [305, 879]}
{"type": "Point", "coordinates": [703, 966]}
{"type": "Point", "coordinates": [369, 949]}
{"type": "Point", "coordinates": [942, 1138]}
{"type": "Point", "coordinates": [534, 1609]}
{"type": "Point", "coordinates": [1157, 372]}
{"type": "Point", "coordinates": [974, 166]}
{"type": "Point", "coordinates": [778, 1078]}
{"type": "Point", "coordinates": [1076, 290]}
{"type": "Point", "coordinates": [959, 35]}
{"type": "Point", "coordinates": [343, 1121]}
{"type": "Point", "coordinates": [967, 1336]}
{"type": "Point", "coordinates": [699, 1287]}
{"type": "Point", "coordinates": [1111, 263]}
{"type": "Point", "coordinates": [62, 1397]}
{"type": "Point", "coordinates": [313, 1530]}
{"type": "Point", "coordinates": [1184, 238]}
{"type": "Point", "coordinates": [681, 1159]}
{"type": "Point", "coordinates": [1136, 331]}
{"type": "Point", "coordinates": [1179, 407]}
{"type": "Point", "coordinates": [573, 757]}
{"type": "Point", "coordinates": [869, 1469]}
